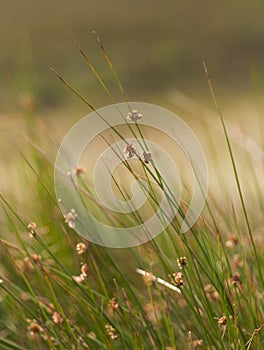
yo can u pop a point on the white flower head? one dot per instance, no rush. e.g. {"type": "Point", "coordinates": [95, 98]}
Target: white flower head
{"type": "Point", "coordinates": [146, 157]}
{"type": "Point", "coordinates": [130, 151]}
{"type": "Point", "coordinates": [70, 218]}
{"type": "Point", "coordinates": [134, 115]}
{"type": "Point", "coordinates": [81, 248]}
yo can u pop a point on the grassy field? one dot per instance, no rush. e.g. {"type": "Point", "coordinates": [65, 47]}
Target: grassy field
{"type": "Point", "coordinates": [199, 290]}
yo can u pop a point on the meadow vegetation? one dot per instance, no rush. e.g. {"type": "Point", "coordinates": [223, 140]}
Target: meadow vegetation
{"type": "Point", "coordinates": [199, 290]}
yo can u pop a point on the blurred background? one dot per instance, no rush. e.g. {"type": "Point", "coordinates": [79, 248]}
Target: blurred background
{"type": "Point", "coordinates": [157, 49]}
{"type": "Point", "coordinates": [155, 46]}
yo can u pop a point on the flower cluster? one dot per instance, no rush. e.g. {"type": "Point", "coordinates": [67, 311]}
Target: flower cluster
{"type": "Point", "coordinates": [178, 278]}
{"type": "Point", "coordinates": [111, 331]}
{"type": "Point", "coordinates": [113, 305]}
{"type": "Point", "coordinates": [134, 115]}
{"type": "Point", "coordinates": [57, 318]}
{"type": "Point", "coordinates": [222, 321]}
{"type": "Point", "coordinates": [34, 329]}
{"type": "Point", "coordinates": [146, 157]}
{"type": "Point", "coordinates": [182, 262]}
{"type": "Point", "coordinates": [130, 151]}
{"type": "Point", "coordinates": [149, 278]}
{"type": "Point", "coordinates": [83, 274]}
{"type": "Point", "coordinates": [81, 248]}
{"type": "Point", "coordinates": [236, 281]}
{"type": "Point", "coordinates": [32, 226]}
{"type": "Point", "coordinates": [70, 218]}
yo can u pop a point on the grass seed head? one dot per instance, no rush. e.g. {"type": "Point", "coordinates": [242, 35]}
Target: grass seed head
{"type": "Point", "coordinates": [70, 218]}
{"type": "Point", "coordinates": [236, 281]}
{"type": "Point", "coordinates": [92, 335]}
{"type": "Point", "coordinates": [57, 318]}
{"type": "Point", "coordinates": [182, 262]}
{"type": "Point", "coordinates": [111, 331]}
{"type": "Point", "coordinates": [222, 321]}
{"type": "Point", "coordinates": [80, 170]}
{"type": "Point", "coordinates": [34, 329]}
{"type": "Point", "coordinates": [134, 115]}
{"type": "Point", "coordinates": [32, 226]}
{"type": "Point", "coordinates": [113, 305]}
{"type": "Point", "coordinates": [178, 278]}
{"type": "Point", "coordinates": [130, 151]}
{"type": "Point", "coordinates": [196, 343]}
{"type": "Point", "coordinates": [231, 242]}
{"type": "Point", "coordinates": [79, 279]}
{"type": "Point", "coordinates": [149, 278]}
{"type": "Point", "coordinates": [81, 248]}
{"type": "Point", "coordinates": [146, 157]}
{"type": "Point", "coordinates": [84, 270]}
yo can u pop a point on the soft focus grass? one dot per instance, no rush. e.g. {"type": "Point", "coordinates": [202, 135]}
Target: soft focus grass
{"type": "Point", "coordinates": [220, 304]}
{"type": "Point", "coordinates": [156, 48]}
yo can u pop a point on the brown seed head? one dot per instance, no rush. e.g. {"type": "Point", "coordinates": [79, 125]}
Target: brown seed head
{"type": "Point", "coordinates": [57, 318]}
{"type": "Point", "coordinates": [81, 248]}
{"type": "Point", "coordinates": [178, 278]}
{"type": "Point", "coordinates": [222, 321]}
{"type": "Point", "coordinates": [182, 262]}
{"type": "Point", "coordinates": [149, 278]}
{"type": "Point", "coordinates": [111, 331]}
{"type": "Point", "coordinates": [113, 305]}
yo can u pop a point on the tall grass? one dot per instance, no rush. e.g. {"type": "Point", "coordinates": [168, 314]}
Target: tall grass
{"type": "Point", "coordinates": [202, 289]}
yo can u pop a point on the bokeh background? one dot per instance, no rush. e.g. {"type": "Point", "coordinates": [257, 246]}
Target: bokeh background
{"type": "Point", "coordinates": [157, 48]}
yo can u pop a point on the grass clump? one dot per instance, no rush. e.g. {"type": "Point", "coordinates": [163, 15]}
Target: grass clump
{"type": "Point", "coordinates": [202, 289]}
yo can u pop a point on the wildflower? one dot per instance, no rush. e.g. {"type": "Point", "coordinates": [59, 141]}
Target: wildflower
{"type": "Point", "coordinates": [80, 170]}
{"type": "Point", "coordinates": [84, 270]}
{"type": "Point", "coordinates": [236, 279]}
{"type": "Point", "coordinates": [130, 151]}
{"type": "Point", "coordinates": [111, 331]}
{"type": "Point", "coordinates": [81, 248]}
{"type": "Point", "coordinates": [211, 292]}
{"type": "Point", "coordinates": [57, 318]}
{"type": "Point", "coordinates": [1, 281]}
{"type": "Point", "coordinates": [178, 278]}
{"type": "Point", "coordinates": [70, 218]}
{"type": "Point", "coordinates": [146, 157]}
{"type": "Point", "coordinates": [222, 321]}
{"type": "Point", "coordinates": [32, 226]}
{"type": "Point", "coordinates": [134, 115]}
{"type": "Point", "coordinates": [149, 278]}
{"type": "Point", "coordinates": [113, 305]}
{"type": "Point", "coordinates": [182, 262]}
